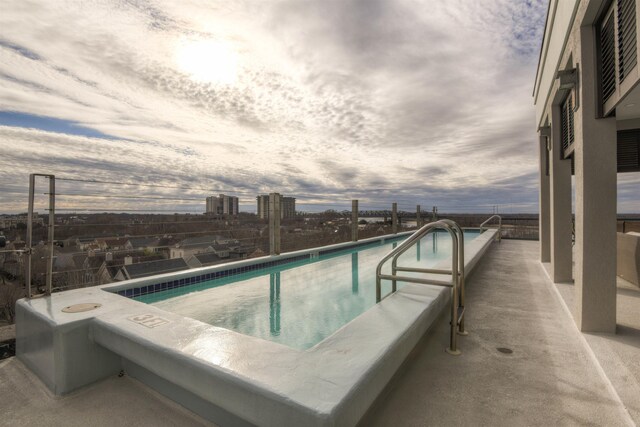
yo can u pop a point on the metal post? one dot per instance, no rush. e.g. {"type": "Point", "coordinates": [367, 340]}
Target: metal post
{"type": "Point", "coordinates": [453, 345]}
{"type": "Point", "coordinates": [461, 271]}
{"type": "Point", "coordinates": [32, 182]}
{"type": "Point", "coordinates": [418, 218]}
{"type": "Point", "coordinates": [52, 212]}
{"type": "Point", "coordinates": [274, 223]}
{"type": "Point", "coordinates": [461, 280]}
{"type": "Point", "coordinates": [394, 218]}
{"type": "Point", "coordinates": [354, 220]}
{"type": "Point", "coordinates": [394, 273]}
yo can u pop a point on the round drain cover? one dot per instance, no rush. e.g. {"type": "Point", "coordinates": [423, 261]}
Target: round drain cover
{"type": "Point", "coordinates": [504, 350]}
{"type": "Point", "coordinates": [79, 308]}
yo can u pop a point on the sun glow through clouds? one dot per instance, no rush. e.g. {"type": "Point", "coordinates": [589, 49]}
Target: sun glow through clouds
{"type": "Point", "coordinates": [208, 61]}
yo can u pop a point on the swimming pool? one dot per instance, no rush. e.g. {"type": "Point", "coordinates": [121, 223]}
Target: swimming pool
{"type": "Point", "coordinates": [231, 377]}
{"type": "Point", "coordinates": [301, 303]}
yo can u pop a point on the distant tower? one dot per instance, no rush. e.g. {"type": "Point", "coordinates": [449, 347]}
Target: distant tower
{"type": "Point", "coordinates": [222, 205]}
{"type": "Point", "coordinates": [213, 205]}
{"type": "Point", "coordinates": [229, 204]}
{"type": "Point", "coordinates": [287, 207]}
{"type": "Point", "coordinates": [263, 206]}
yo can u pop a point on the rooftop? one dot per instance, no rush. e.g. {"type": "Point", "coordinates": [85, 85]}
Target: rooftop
{"type": "Point", "coordinates": [524, 362]}
{"type": "Point", "coordinates": [149, 268]}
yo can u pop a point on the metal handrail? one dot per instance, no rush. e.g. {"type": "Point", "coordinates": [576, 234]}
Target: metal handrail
{"type": "Point", "coordinates": [482, 226]}
{"type": "Point", "coordinates": [461, 294]}
{"type": "Point", "coordinates": [456, 282]}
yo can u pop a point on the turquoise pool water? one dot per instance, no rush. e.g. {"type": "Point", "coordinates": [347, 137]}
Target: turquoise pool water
{"type": "Point", "coordinates": [301, 303]}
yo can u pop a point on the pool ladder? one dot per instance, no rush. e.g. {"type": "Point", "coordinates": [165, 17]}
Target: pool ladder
{"type": "Point", "coordinates": [499, 218]}
{"type": "Point", "coordinates": [456, 282]}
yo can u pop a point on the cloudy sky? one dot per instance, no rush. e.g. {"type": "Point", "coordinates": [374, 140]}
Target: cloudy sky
{"type": "Point", "coordinates": [415, 101]}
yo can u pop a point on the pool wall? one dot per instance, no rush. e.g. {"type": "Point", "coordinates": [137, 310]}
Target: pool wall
{"type": "Point", "coordinates": [227, 377]}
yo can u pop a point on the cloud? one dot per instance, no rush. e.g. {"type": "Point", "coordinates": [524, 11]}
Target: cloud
{"type": "Point", "coordinates": [420, 101]}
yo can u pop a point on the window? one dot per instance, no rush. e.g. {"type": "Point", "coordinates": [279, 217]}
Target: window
{"type": "Point", "coordinates": [566, 122]}
{"type": "Point", "coordinates": [629, 150]}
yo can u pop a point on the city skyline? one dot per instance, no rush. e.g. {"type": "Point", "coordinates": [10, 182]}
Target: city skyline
{"type": "Point", "coordinates": [418, 102]}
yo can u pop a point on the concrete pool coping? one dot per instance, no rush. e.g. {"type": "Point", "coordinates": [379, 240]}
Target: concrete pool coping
{"type": "Point", "coordinates": [217, 372]}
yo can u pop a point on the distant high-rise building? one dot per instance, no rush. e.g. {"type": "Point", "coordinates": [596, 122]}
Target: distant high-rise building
{"type": "Point", "coordinates": [222, 205]}
{"type": "Point", "coordinates": [212, 205]}
{"type": "Point", "coordinates": [229, 205]}
{"type": "Point", "coordinates": [263, 206]}
{"type": "Point", "coordinates": [287, 207]}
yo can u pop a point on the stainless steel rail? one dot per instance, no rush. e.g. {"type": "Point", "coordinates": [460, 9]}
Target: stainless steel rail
{"type": "Point", "coordinates": [482, 226]}
{"type": "Point", "coordinates": [29, 246]}
{"type": "Point", "coordinates": [456, 281]}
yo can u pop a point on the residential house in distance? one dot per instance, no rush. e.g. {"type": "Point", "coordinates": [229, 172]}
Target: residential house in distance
{"type": "Point", "coordinates": [84, 243]}
{"type": "Point", "coordinates": [151, 268]}
{"type": "Point", "coordinates": [113, 244]}
{"type": "Point", "coordinates": [197, 245]}
{"type": "Point", "coordinates": [287, 207]}
{"type": "Point", "coordinates": [12, 221]}
{"type": "Point", "coordinates": [222, 205]}
{"type": "Point", "coordinates": [113, 262]}
{"type": "Point", "coordinates": [13, 262]}
{"type": "Point", "coordinates": [142, 243]}
{"type": "Point", "coordinates": [204, 260]}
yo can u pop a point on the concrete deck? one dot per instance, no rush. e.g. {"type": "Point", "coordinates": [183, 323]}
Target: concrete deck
{"type": "Point", "coordinates": [551, 378]}
{"type": "Point", "coordinates": [25, 401]}
{"type": "Point", "coordinates": [619, 354]}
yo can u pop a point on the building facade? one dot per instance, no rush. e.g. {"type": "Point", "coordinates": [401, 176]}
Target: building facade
{"type": "Point", "coordinates": [588, 118]}
{"type": "Point", "coordinates": [287, 207]}
{"type": "Point", "coordinates": [12, 221]}
{"type": "Point", "coordinates": [222, 205]}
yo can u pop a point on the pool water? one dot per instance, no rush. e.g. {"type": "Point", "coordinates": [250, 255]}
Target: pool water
{"type": "Point", "coordinates": [301, 303]}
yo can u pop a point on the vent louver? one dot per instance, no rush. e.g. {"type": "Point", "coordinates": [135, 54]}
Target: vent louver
{"type": "Point", "coordinates": [567, 123]}
{"type": "Point", "coordinates": [607, 46]}
{"type": "Point", "coordinates": [627, 52]}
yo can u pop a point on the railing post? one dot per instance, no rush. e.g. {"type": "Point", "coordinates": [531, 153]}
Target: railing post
{"type": "Point", "coordinates": [354, 220]}
{"type": "Point", "coordinates": [453, 345]}
{"type": "Point", "coordinates": [52, 213]}
{"type": "Point", "coordinates": [418, 218]}
{"type": "Point", "coordinates": [274, 223]}
{"type": "Point", "coordinates": [32, 182]}
{"type": "Point", "coordinates": [394, 218]}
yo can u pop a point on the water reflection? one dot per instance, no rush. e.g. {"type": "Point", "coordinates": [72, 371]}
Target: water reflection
{"type": "Point", "coordinates": [322, 295]}
{"type": "Point", "coordinates": [354, 273]}
{"type": "Point", "coordinates": [274, 303]}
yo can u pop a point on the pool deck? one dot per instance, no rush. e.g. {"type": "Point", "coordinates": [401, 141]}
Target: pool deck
{"type": "Point", "coordinates": [552, 377]}
{"type": "Point", "coordinates": [555, 375]}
